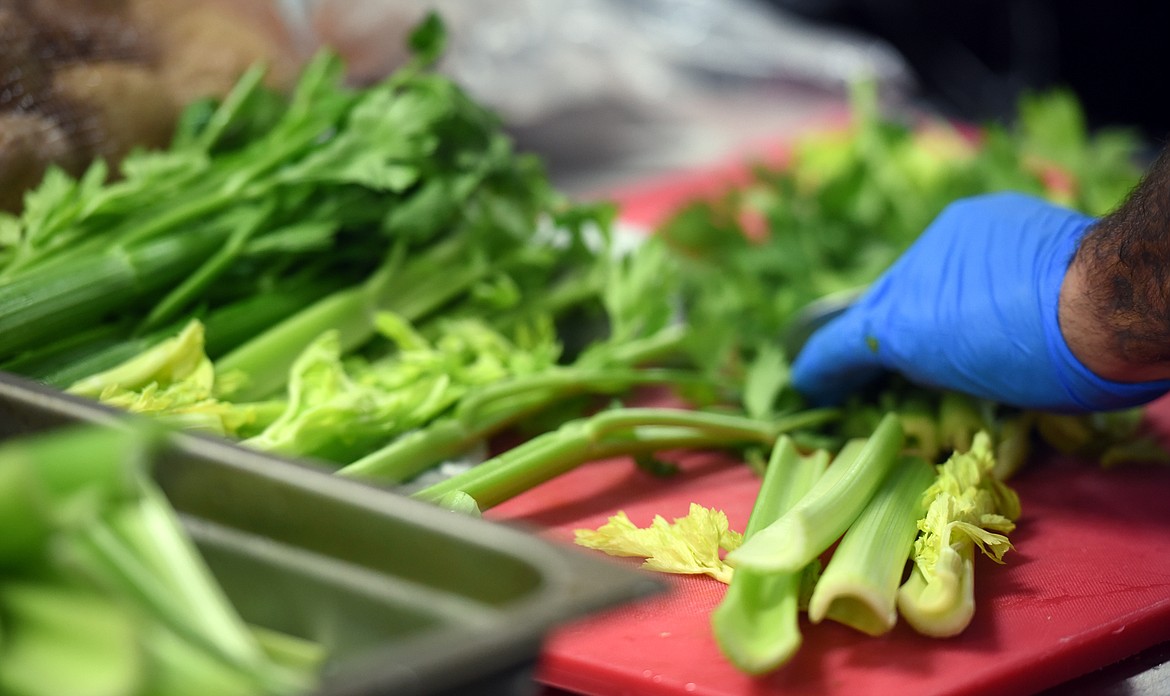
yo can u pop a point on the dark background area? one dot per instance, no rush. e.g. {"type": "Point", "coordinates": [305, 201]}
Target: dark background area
{"type": "Point", "coordinates": [974, 57]}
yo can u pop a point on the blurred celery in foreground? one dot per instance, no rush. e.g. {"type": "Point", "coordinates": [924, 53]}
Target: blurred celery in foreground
{"type": "Point", "coordinates": [101, 590]}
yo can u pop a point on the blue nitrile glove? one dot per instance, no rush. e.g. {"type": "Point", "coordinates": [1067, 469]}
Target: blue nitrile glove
{"type": "Point", "coordinates": [971, 306]}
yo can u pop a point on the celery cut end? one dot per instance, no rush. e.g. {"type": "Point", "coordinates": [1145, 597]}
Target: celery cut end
{"type": "Point", "coordinates": [757, 638]}
{"type": "Point", "coordinates": [942, 607]}
{"type": "Point", "coordinates": [861, 611]}
{"type": "Point", "coordinates": [756, 658]}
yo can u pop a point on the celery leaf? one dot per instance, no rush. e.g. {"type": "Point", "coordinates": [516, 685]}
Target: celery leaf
{"type": "Point", "coordinates": [690, 545]}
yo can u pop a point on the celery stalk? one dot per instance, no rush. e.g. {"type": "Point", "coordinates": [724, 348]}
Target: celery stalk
{"type": "Point", "coordinates": [610, 434]}
{"type": "Point", "coordinates": [152, 530]}
{"type": "Point", "coordinates": [822, 516]}
{"type": "Point", "coordinates": [48, 303]}
{"type": "Point", "coordinates": [756, 625]}
{"type": "Point", "coordinates": [859, 586]}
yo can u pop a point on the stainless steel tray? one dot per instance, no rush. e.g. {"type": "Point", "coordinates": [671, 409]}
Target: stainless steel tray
{"type": "Point", "coordinates": [408, 598]}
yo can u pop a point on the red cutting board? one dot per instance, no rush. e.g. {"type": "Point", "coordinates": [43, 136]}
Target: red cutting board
{"type": "Point", "coordinates": [1088, 583]}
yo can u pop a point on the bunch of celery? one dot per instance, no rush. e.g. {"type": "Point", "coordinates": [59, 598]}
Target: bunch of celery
{"type": "Point", "coordinates": [370, 277]}
{"type": "Point", "coordinates": [102, 592]}
{"type": "Point", "coordinates": [273, 219]}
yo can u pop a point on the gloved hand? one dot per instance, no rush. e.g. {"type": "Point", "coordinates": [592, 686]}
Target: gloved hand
{"type": "Point", "coordinates": [972, 307]}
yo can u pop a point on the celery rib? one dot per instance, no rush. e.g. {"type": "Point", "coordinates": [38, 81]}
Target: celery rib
{"type": "Point", "coordinates": [859, 586]}
{"type": "Point", "coordinates": [756, 624]}
{"type": "Point", "coordinates": [822, 516]}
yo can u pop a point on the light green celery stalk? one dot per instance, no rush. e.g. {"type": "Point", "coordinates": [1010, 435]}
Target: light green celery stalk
{"type": "Point", "coordinates": [859, 586]}
{"type": "Point", "coordinates": [140, 554]}
{"type": "Point", "coordinates": [756, 624]}
{"type": "Point", "coordinates": [823, 515]}
{"type": "Point", "coordinates": [258, 368]}
{"type": "Point", "coordinates": [968, 508]}
{"type": "Point", "coordinates": [618, 432]}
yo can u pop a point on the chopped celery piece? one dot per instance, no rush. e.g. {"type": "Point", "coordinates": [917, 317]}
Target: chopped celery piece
{"type": "Point", "coordinates": [823, 515]}
{"type": "Point", "coordinates": [967, 508]}
{"type": "Point", "coordinates": [859, 586]}
{"type": "Point", "coordinates": [756, 625]}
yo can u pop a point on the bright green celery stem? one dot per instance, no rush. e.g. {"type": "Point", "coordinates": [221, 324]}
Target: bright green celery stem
{"type": "Point", "coordinates": [266, 359]}
{"type": "Point", "coordinates": [610, 434]}
{"type": "Point", "coordinates": [859, 586]}
{"type": "Point", "coordinates": [486, 413]}
{"type": "Point", "coordinates": [152, 530]}
{"type": "Point", "coordinates": [188, 291]}
{"type": "Point", "coordinates": [415, 452]}
{"type": "Point", "coordinates": [43, 306]}
{"type": "Point", "coordinates": [822, 516]}
{"type": "Point", "coordinates": [756, 626]}
{"type": "Point", "coordinates": [245, 87]}
{"type": "Point", "coordinates": [226, 328]}
{"type": "Point", "coordinates": [944, 606]}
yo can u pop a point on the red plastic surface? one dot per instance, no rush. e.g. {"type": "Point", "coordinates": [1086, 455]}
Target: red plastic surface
{"type": "Point", "coordinates": [1088, 584]}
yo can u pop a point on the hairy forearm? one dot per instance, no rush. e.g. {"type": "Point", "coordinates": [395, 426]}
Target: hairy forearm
{"type": "Point", "coordinates": [1115, 299]}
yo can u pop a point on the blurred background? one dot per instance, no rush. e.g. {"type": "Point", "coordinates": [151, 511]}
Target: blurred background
{"type": "Point", "coordinates": [607, 91]}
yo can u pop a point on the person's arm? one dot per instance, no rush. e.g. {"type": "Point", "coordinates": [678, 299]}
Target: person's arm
{"type": "Point", "coordinates": [1115, 298]}
{"type": "Point", "coordinates": [988, 301]}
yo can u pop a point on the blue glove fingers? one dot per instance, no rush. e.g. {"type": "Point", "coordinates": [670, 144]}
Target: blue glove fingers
{"type": "Point", "coordinates": [836, 361]}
